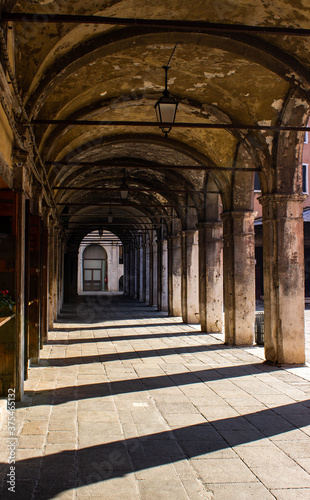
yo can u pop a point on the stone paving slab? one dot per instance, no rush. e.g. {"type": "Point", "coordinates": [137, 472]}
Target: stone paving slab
{"type": "Point", "coordinates": [139, 406]}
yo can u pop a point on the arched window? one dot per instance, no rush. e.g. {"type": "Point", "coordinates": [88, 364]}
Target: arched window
{"type": "Point", "coordinates": [94, 269]}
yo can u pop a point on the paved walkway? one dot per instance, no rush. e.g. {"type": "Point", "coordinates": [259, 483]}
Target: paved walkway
{"type": "Point", "coordinates": [129, 404]}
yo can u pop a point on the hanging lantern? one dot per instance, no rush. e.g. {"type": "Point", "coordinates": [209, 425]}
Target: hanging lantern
{"type": "Point", "coordinates": [166, 107]}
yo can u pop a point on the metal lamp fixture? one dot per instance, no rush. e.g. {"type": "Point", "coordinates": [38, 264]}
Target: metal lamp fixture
{"type": "Point", "coordinates": [124, 188]}
{"type": "Point", "coordinates": [166, 106]}
{"type": "Point", "coordinates": [100, 231]}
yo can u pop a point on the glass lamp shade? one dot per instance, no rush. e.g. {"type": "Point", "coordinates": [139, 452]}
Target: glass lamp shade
{"type": "Point", "coordinates": [110, 217]}
{"type": "Point", "coordinates": [166, 108]}
{"type": "Point", "coordinates": [124, 191]}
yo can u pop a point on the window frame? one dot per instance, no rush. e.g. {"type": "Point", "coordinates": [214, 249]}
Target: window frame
{"type": "Point", "coordinates": [307, 183]}
{"type": "Point", "coordinates": [256, 190]}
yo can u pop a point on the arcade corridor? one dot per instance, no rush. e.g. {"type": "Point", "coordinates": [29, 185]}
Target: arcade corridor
{"type": "Point", "coordinates": [129, 403]}
{"type": "Point", "coordinates": [116, 176]}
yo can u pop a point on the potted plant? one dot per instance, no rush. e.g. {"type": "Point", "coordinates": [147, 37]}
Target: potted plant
{"type": "Point", "coordinates": [6, 303]}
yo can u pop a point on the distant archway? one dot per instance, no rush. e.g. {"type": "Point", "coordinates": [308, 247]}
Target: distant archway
{"type": "Point", "coordinates": [94, 269]}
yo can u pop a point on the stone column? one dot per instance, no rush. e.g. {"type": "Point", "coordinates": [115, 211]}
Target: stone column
{"type": "Point", "coordinates": [44, 282]}
{"type": "Point", "coordinates": [126, 270]}
{"type": "Point", "coordinates": [170, 289]}
{"type": "Point", "coordinates": [137, 270]}
{"type": "Point", "coordinates": [189, 276]}
{"type": "Point", "coordinates": [56, 272]}
{"type": "Point", "coordinates": [51, 271]}
{"type": "Point", "coordinates": [20, 287]}
{"type": "Point", "coordinates": [155, 275]}
{"type": "Point", "coordinates": [60, 274]}
{"type": "Point", "coordinates": [132, 272]}
{"type": "Point", "coordinates": [113, 283]}
{"type": "Point", "coordinates": [210, 276]}
{"type": "Point", "coordinates": [159, 271]}
{"type": "Point", "coordinates": [284, 299]}
{"type": "Point", "coordinates": [174, 267]}
{"type": "Point", "coordinates": [164, 275]}
{"type": "Point", "coordinates": [149, 273]}
{"type": "Point", "coordinates": [239, 277]}
{"type": "Point", "coordinates": [143, 272]}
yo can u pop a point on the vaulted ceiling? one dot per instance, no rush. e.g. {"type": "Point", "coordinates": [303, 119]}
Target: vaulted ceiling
{"type": "Point", "coordinates": [112, 72]}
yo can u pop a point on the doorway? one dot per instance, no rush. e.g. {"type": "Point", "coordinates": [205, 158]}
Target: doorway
{"type": "Point", "coordinates": [94, 269]}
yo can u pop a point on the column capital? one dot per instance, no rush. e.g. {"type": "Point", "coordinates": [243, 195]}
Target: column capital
{"type": "Point", "coordinates": [238, 223]}
{"type": "Point", "coordinates": [188, 237]}
{"type": "Point", "coordinates": [282, 206]}
{"type": "Point", "coordinates": [281, 198]}
{"type": "Point", "coordinates": [210, 232]}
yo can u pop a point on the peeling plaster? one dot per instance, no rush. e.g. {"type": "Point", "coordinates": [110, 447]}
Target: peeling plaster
{"type": "Point", "coordinates": [214, 75]}
{"type": "Point", "coordinates": [219, 75]}
{"type": "Point", "coordinates": [199, 85]}
{"type": "Point", "coordinates": [267, 123]}
{"type": "Point", "coordinates": [150, 85]}
{"type": "Point", "coordinates": [277, 104]}
{"type": "Point", "coordinates": [160, 47]}
{"type": "Point", "coordinates": [301, 102]}
{"type": "Point", "coordinates": [269, 142]}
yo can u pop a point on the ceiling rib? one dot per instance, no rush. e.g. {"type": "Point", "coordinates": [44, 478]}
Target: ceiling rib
{"type": "Point", "coordinates": [120, 205]}
{"type": "Point", "coordinates": [138, 216]}
{"type": "Point", "coordinates": [126, 123]}
{"type": "Point", "coordinates": [119, 223]}
{"type": "Point", "coordinates": [118, 189]}
{"type": "Point", "coordinates": [149, 166]}
{"type": "Point", "coordinates": [27, 17]}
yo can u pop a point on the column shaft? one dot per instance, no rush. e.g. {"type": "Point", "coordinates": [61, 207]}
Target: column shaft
{"type": "Point", "coordinates": [155, 275]}
{"type": "Point", "coordinates": [164, 276]}
{"type": "Point", "coordinates": [239, 277]}
{"type": "Point", "coordinates": [189, 281]}
{"type": "Point", "coordinates": [20, 287]}
{"type": "Point", "coordinates": [137, 271]}
{"type": "Point", "coordinates": [51, 271]}
{"type": "Point", "coordinates": [283, 246]}
{"type": "Point", "coordinates": [211, 276]}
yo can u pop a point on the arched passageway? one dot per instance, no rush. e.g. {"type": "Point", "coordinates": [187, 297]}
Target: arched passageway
{"type": "Point", "coordinates": [81, 153]}
{"type": "Point", "coordinates": [158, 390]}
